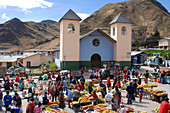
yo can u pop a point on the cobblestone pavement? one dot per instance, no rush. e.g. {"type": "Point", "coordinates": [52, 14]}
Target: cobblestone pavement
{"type": "Point", "coordinates": [145, 105]}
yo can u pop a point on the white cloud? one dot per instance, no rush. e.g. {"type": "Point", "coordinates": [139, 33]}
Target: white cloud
{"type": "Point", "coordinates": [26, 4]}
{"type": "Point", "coordinates": [4, 16]}
{"type": "Point", "coordinates": [83, 15]}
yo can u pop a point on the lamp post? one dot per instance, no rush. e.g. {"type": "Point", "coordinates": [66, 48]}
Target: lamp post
{"type": "Point", "coordinates": [64, 61]}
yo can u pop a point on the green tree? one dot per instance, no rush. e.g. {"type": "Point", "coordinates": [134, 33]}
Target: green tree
{"type": "Point", "coordinates": [152, 41]}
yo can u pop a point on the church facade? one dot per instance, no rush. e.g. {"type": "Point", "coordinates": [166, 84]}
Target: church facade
{"type": "Point", "coordinates": [94, 48]}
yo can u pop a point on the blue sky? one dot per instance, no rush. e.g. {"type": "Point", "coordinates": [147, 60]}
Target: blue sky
{"type": "Point", "coordinates": [38, 10]}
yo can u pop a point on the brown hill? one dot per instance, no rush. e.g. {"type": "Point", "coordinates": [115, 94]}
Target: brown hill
{"type": "Point", "coordinates": [147, 15]}
{"type": "Point", "coordinates": [18, 35]}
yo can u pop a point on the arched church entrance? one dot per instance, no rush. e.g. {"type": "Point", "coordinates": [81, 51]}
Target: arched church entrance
{"type": "Point", "coordinates": [95, 60]}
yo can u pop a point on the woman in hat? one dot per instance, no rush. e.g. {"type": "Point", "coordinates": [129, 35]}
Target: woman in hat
{"type": "Point", "coordinates": [62, 101]}
{"type": "Point", "coordinates": [115, 102]}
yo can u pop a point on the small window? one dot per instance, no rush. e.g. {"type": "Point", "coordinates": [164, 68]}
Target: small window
{"type": "Point", "coordinates": [113, 31]}
{"type": "Point", "coordinates": [57, 55]}
{"type": "Point", "coordinates": [123, 30]}
{"type": "Point", "coordinates": [71, 28]}
{"type": "Point", "coordinates": [28, 64]}
{"type": "Point", "coordinates": [96, 42]}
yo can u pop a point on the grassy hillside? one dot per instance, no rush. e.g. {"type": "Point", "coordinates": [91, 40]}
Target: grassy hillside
{"type": "Point", "coordinates": [163, 52]}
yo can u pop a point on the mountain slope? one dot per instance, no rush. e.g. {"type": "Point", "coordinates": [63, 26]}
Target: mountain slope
{"type": "Point", "coordinates": [147, 15]}
{"type": "Point", "coordinates": [15, 34]}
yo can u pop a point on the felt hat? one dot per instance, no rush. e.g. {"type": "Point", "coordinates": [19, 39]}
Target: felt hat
{"type": "Point", "coordinates": [122, 105]}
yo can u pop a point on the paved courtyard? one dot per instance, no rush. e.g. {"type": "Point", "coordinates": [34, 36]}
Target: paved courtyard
{"type": "Point", "coordinates": [145, 105]}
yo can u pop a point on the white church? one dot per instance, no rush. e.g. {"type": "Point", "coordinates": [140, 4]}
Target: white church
{"type": "Point", "coordinates": [94, 48]}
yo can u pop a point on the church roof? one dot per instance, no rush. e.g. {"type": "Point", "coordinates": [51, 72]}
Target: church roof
{"type": "Point", "coordinates": [121, 18]}
{"type": "Point", "coordinates": [100, 31]}
{"type": "Point", "coordinates": [70, 15]}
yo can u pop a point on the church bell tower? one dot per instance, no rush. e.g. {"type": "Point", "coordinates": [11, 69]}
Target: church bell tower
{"type": "Point", "coordinates": [69, 40]}
{"type": "Point", "coordinates": [121, 29]}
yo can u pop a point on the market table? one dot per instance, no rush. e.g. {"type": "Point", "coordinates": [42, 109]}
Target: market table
{"type": "Point", "coordinates": [160, 98]}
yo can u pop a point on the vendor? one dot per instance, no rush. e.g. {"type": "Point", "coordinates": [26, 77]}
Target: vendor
{"type": "Point", "coordinates": [7, 100]}
{"type": "Point", "coordinates": [115, 102]}
{"type": "Point", "coordinates": [103, 91]}
{"type": "Point", "coordinates": [40, 78]}
{"type": "Point", "coordinates": [89, 88]}
{"type": "Point", "coordinates": [17, 100]}
{"type": "Point", "coordinates": [76, 94]}
{"type": "Point", "coordinates": [108, 96]}
{"type": "Point", "coordinates": [21, 86]}
{"type": "Point", "coordinates": [30, 106]}
{"type": "Point", "coordinates": [45, 99]}
{"type": "Point", "coordinates": [82, 80]}
{"type": "Point", "coordinates": [78, 85]}
{"type": "Point", "coordinates": [95, 97]}
{"type": "Point", "coordinates": [165, 106]}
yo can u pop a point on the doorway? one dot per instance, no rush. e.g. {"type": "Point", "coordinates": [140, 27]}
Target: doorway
{"type": "Point", "coordinates": [95, 60]}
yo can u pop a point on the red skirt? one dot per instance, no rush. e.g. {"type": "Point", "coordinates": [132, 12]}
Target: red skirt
{"type": "Point", "coordinates": [69, 101]}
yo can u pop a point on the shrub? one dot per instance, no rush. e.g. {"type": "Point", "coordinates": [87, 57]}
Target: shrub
{"type": "Point", "coordinates": [53, 66]}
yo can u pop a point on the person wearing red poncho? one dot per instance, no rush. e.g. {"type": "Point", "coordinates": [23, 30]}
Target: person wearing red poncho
{"type": "Point", "coordinates": [108, 82]}
{"type": "Point", "coordinates": [118, 84]}
{"type": "Point", "coordinates": [125, 76]}
{"type": "Point", "coordinates": [95, 97]}
{"type": "Point", "coordinates": [165, 106]}
{"type": "Point", "coordinates": [17, 78]}
{"type": "Point", "coordinates": [79, 85]}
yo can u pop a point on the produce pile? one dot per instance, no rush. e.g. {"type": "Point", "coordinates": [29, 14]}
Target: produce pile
{"type": "Point", "coordinates": [156, 110]}
{"type": "Point", "coordinates": [50, 106]}
{"type": "Point", "coordinates": [83, 99]}
{"type": "Point", "coordinates": [95, 81]}
{"type": "Point", "coordinates": [155, 92]}
{"type": "Point", "coordinates": [123, 87]}
{"type": "Point", "coordinates": [129, 110]}
{"type": "Point", "coordinates": [101, 100]}
{"type": "Point", "coordinates": [147, 85]}
{"type": "Point", "coordinates": [101, 108]}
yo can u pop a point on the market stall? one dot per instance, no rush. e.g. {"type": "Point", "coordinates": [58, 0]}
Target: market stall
{"type": "Point", "coordinates": [155, 95]}
{"type": "Point", "coordinates": [52, 107]}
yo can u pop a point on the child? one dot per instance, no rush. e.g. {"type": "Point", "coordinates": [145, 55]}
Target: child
{"type": "Point", "coordinates": [122, 110]}
{"type": "Point", "coordinates": [61, 100]}
{"type": "Point", "coordinates": [38, 108]}
{"type": "Point", "coordinates": [140, 95]}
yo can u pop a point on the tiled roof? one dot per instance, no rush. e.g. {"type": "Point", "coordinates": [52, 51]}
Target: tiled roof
{"type": "Point", "coordinates": [13, 58]}
{"type": "Point", "coordinates": [120, 18]}
{"type": "Point", "coordinates": [97, 29]}
{"type": "Point", "coordinates": [71, 15]}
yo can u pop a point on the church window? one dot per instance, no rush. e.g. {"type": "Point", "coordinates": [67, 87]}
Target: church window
{"type": "Point", "coordinates": [71, 28]}
{"type": "Point", "coordinates": [123, 30]}
{"type": "Point", "coordinates": [96, 42]}
{"type": "Point", "coordinates": [113, 31]}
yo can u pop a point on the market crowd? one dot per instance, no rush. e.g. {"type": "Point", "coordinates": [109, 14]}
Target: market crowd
{"type": "Point", "coordinates": [63, 88]}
